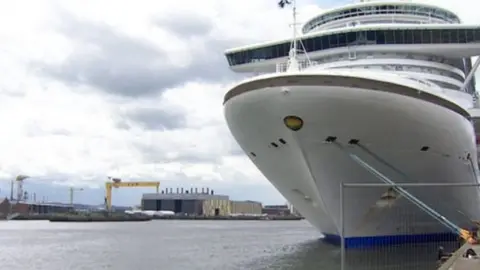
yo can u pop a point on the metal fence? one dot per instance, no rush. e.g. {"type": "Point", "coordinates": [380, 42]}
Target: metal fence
{"type": "Point", "coordinates": [382, 228]}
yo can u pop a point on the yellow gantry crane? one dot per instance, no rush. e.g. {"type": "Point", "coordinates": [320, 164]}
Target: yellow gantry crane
{"type": "Point", "coordinates": [117, 182]}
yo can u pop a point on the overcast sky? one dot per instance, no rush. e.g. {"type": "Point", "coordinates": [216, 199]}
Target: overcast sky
{"type": "Point", "coordinates": [131, 89]}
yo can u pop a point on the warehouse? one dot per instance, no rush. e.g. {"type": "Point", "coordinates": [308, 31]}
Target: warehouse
{"type": "Point", "coordinates": [246, 207]}
{"type": "Point", "coordinates": [190, 202]}
{"type": "Point", "coordinates": [276, 210]}
{"type": "Point", "coordinates": [6, 207]}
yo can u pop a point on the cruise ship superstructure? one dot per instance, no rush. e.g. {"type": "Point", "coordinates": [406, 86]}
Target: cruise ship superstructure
{"type": "Point", "coordinates": [386, 85]}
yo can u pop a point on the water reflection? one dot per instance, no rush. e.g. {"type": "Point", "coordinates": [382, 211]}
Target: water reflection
{"type": "Point", "coordinates": [192, 245]}
{"type": "Point", "coordinates": [318, 255]}
{"type": "Point", "coordinates": [419, 256]}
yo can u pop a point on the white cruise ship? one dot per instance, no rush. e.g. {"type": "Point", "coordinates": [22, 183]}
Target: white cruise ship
{"type": "Point", "coordinates": [383, 83]}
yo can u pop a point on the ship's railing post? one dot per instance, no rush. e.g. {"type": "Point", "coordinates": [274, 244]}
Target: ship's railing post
{"type": "Point", "coordinates": [281, 67]}
{"type": "Point", "coordinates": [302, 64]}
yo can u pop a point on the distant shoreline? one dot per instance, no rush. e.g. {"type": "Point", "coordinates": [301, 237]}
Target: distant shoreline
{"type": "Point", "coordinates": [128, 217]}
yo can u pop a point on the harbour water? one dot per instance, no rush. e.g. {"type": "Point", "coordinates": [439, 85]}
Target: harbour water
{"type": "Point", "coordinates": [166, 244]}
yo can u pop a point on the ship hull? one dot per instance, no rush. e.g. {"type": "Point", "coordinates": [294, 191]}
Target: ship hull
{"type": "Point", "coordinates": [407, 139]}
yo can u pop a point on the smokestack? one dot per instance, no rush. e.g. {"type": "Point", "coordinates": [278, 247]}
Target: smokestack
{"type": "Point", "coordinates": [191, 190]}
{"type": "Point", "coordinates": [196, 190]}
{"type": "Point", "coordinates": [211, 192]}
{"type": "Point", "coordinates": [178, 190]}
{"type": "Point", "coordinates": [171, 190]}
{"type": "Point", "coordinates": [208, 191]}
{"type": "Point", "coordinates": [203, 190]}
{"type": "Point", "coordinates": [181, 190]}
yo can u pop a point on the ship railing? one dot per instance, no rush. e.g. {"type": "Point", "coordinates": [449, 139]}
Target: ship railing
{"type": "Point", "coordinates": [302, 64]}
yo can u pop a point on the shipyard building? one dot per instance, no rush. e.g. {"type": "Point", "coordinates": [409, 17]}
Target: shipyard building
{"type": "Point", "coordinates": [196, 201]}
{"type": "Point", "coordinates": [7, 206]}
{"type": "Point", "coordinates": [190, 202]}
{"type": "Point", "coordinates": [276, 210]}
{"type": "Point", "coordinates": [246, 207]}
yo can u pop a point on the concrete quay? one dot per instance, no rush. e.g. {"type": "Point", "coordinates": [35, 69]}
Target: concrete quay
{"type": "Point", "coordinates": [458, 262]}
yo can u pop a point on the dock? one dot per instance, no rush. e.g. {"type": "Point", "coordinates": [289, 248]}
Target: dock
{"type": "Point", "coordinates": [96, 217]}
{"type": "Point", "coordinates": [239, 218]}
{"type": "Point", "coordinates": [458, 262]}
{"type": "Point", "coordinates": [99, 218]}
{"type": "Point", "coordinates": [74, 217]}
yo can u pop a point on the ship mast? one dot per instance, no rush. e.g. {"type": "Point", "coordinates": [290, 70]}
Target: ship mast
{"type": "Point", "coordinates": [292, 56]}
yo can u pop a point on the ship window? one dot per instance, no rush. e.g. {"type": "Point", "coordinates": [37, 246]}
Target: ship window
{"type": "Point", "coordinates": [324, 42]}
{"type": "Point", "coordinates": [355, 12]}
{"type": "Point", "coordinates": [380, 37]}
{"type": "Point", "coordinates": [446, 35]}
{"type": "Point", "coordinates": [351, 37]}
{"type": "Point", "coordinates": [462, 38]}
{"type": "Point", "coordinates": [408, 37]}
{"type": "Point", "coordinates": [426, 36]}
{"type": "Point", "coordinates": [389, 37]}
{"type": "Point", "coordinates": [308, 43]}
{"type": "Point", "coordinates": [470, 35]}
{"type": "Point", "coordinates": [417, 36]}
{"type": "Point", "coordinates": [435, 36]}
{"type": "Point", "coordinates": [332, 41]}
{"type": "Point", "coordinates": [341, 39]}
{"type": "Point", "coordinates": [399, 36]}
{"type": "Point", "coordinates": [371, 35]}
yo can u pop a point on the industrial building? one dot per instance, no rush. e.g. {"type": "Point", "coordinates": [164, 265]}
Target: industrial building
{"type": "Point", "coordinates": [276, 210]}
{"type": "Point", "coordinates": [246, 207]}
{"type": "Point", "coordinates": [190, 202]}
{"type": "Point", "coordinates": [7, 207]}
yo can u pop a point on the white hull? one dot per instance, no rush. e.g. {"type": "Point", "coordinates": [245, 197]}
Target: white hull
{"type": "Point", "coordinates": [308, 172]}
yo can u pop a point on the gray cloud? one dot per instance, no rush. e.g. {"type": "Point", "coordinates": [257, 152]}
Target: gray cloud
{"type": "Point", "coordinates": [32, 129]}
{"type": "Point", "coordinates": [155, 153]}
{"type": "Point", "coordinates": [122, 124]}
{"type": "Point", "coordinates": [122, 65]}
{"type": "Point", "coordinates": [186, 24]}
{"type": "Point", "coordinates": [236, 150]}
{"type": "Point", "coordinates": [153, 119]}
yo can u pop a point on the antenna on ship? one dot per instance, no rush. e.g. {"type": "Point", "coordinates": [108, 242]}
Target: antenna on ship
{"type": "Point", "coordinates": [292, 64]}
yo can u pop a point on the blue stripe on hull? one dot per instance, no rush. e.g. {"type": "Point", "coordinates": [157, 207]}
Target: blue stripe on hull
{"type": "Point", "coordinates": [387, 240]}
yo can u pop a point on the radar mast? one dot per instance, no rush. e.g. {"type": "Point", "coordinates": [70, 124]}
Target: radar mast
{"type": "Point", "coordinates": [292, 56]}
{"type": "Point", "coordinates": [293, 63]}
